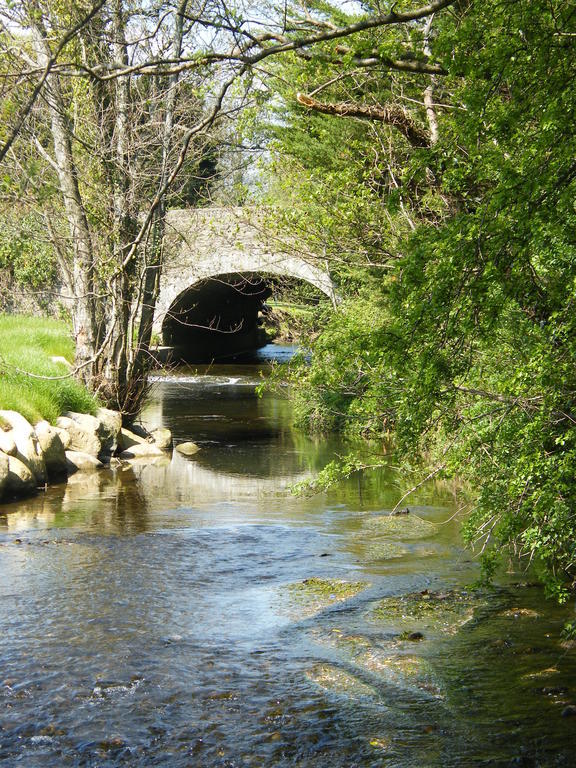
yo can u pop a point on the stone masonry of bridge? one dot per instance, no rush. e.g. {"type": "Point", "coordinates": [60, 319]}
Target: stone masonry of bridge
{"type": "Point", "coordinates": [208, 242]}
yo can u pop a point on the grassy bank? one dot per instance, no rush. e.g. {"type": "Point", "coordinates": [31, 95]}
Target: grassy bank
{"type": "Point", "coordinates": [290, 323]}
{"type": "Point", "coordinates": [27, 344]}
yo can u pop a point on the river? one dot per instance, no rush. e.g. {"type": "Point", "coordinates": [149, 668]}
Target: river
{"type": "Point", "coordinates": [197, 613]}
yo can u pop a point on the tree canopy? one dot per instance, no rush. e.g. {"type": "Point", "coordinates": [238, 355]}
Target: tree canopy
{"type": "Point", "coordinates": [452, 234]}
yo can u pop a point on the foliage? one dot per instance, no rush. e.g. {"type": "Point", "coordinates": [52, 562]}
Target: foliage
{"type": "Point", "coordinates": [348, 373]}
{"type": "Point", "coordinates": [26, 253]}
{"type": "Point", "coordinates": [29, 344]}
{"type": "Point", "coordinates": [465, 345]}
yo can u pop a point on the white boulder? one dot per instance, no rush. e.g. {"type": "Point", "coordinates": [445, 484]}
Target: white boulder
{"type": "Point", "coordinates": [128, 439]}
{"type": "Point", "coordinates": [79, 461]}
{"type": "Point", "coordinates": [162, 438]}
{"type": "Point", "coordinates": [141, 450]}
{"type": "Point", "coordinates": [28, 449]}
{"type": "Point", "coordinates": [187, 449]}
{"type": "Point", "coordinates": [83, 430]}
{"type": "Point", "coordinates": [7, 443]}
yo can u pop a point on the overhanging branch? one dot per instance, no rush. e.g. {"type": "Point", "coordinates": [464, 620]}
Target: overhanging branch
{"type": "Point", "coordinates": [390, 114]}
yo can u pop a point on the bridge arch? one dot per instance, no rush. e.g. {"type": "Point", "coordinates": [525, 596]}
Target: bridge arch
{"type": "Point", "coordinates": [224, 315]}
{"type": "Point", "coordinates": [214, 254]}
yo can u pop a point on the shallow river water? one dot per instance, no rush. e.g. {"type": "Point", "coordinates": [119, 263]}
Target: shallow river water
{"type": "Point", "coordinates": [196, 613]}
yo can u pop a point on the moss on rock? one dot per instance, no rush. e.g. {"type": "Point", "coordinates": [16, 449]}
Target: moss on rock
{"type": "Point", "coordinates": [442, 612]}
{"type": "Point", "coordinates": [312, 595]}
{"type": "Point", "coordinates": [399, 526]}
{"type": "Point", "coordinates": [388, 662]}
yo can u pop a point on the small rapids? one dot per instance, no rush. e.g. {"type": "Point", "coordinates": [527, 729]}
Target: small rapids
{"type": "Point", "coordinates": [205, 380]}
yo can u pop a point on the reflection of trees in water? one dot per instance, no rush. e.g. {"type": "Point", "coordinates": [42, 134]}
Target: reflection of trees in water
{"type": "Point", "coordinates": [130, 507]}
{"type": "Point", "coordinates": [38, 511]}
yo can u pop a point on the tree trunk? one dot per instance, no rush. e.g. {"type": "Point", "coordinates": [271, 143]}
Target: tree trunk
{"type": "Point", "coordinates": [154, 251]}
{"type": "Point", "coordinates": [431, 113]}
{"type": "Point", "coordinates": [116, 365]}
{"type": "Point", "coordinates": [81, 303]}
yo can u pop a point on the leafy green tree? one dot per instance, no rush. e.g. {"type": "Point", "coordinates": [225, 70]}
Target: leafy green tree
{"type": "Point", "coordinates": [464, 340]}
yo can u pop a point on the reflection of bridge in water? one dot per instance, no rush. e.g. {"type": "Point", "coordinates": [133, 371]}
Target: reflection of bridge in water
{"type": "Point", "coordinates": [239, 435]}
{"type": "Point", "coordinates": [193, 484]}
{"type": "Point", "coordinates": [220, 266]}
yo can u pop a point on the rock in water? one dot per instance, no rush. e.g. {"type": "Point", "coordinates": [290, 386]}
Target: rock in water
{"type": "Point", "coordinates": [28, 447]}
{"type": "Point", "coordinates": [4, 472]}
{"type": "Point", "coordinates": [399, 512]}
{"type": "Point", "coordinates": [21, 481]}
{"type": "Point", "coordinates": [83, 431]}
{"type": "Point", "coordinates": [128, 438]}
{"type": "Point", "coordinates": [95, 435]}
{"type": "Point", "coordinates": [141, 450]}
{"type": "Point", "coordinates": [77, 460]}
{"type": "Point", "coordinates": [162, 438]}
{"type": "Point", "coordinates": [110, 427]}
{"type": "Point", "coordinates": [187, 449]}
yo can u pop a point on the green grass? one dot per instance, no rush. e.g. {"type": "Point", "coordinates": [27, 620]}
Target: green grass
{"type": "Point", "coordinates": [27, 344]}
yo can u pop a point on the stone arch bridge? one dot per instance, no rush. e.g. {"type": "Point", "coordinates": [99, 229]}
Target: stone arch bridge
{"type": "Point", "coordinates": [220, 265]}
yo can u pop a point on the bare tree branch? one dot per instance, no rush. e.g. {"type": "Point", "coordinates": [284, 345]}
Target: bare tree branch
{"type": "Point", "coordinates": [390, 114]}
{"type": "Point", "coordinates": [48, 67]}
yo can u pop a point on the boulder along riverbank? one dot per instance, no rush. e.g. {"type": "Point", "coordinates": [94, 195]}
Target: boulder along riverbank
{"type": "Point", "coordinates": [34, 456]}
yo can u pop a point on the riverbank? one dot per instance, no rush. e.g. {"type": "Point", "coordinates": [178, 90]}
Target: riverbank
{"type": "Point", "coordinates": [51, 426]}
{"type": "Point", "coordinates": [33, 456]}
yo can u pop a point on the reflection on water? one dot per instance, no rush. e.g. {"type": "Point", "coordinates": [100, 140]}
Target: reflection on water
{"type": "Point", "coordinates": [146, 619]}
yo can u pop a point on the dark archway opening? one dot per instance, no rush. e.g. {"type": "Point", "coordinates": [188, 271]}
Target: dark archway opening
{"type": "Point", "coordinates": [224, 316]}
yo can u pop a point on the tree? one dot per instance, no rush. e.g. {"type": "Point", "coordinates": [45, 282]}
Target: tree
{"type": "Point", "coordinates": [115, 149]}
{"type": "Point", "coordinates": [468, 351]}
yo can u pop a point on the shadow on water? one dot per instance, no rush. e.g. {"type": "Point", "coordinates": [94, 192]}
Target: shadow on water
{"type": "Point", "coordinates": [194, 612]}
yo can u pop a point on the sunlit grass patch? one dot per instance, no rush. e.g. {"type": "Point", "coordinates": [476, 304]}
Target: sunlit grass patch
{"type": "Point", "coordinates": [27, 346]}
